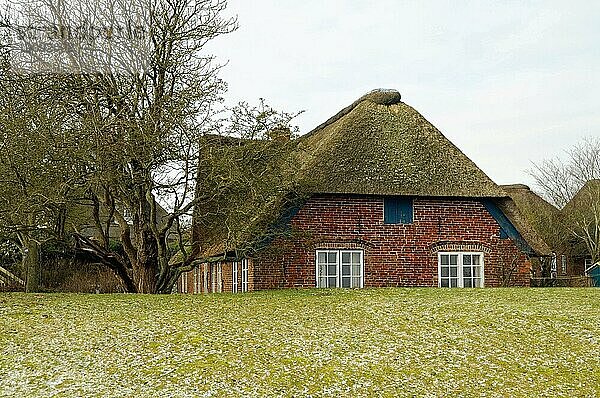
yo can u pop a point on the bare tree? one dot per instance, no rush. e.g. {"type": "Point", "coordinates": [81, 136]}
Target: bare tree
{"type": "Point", "coordinates": [36, 175]}
{"type": "Point", "coordinates": [145, 94]}
{"type": "Point", "coordinates": [559, 180]}
{"type": "Point", "coordinates": [574, 186]}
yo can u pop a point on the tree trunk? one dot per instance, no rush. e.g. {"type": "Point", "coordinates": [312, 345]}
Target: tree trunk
{"type": "Point", "coordinates": [31, 264]}
{"type": "Point", "coordinates": [144, 275]}
{"type": "Point", "coordinates": [145, 269]}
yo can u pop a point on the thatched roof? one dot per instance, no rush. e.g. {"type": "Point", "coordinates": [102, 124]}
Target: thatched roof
{"type": "Point", "coordinates": [582, 199]}
{"type": "Point", "coordinates": [382, 146]}
{"type": "Point", "coordinates": [582, 212]}
{"type": "Point", "coordinates": [536, 219]}
{"type": "Point", "coordinates": [376, 146]}
{"type": "Point", "coordinates": [243, 187]}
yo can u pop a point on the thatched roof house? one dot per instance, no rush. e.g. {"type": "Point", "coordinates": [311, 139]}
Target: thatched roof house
{"type": "Point", "coordinates": [376, 168]}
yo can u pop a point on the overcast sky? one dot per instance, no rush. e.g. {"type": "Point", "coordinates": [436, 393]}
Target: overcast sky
{"type": "Point", "coordinates": [508, 82]}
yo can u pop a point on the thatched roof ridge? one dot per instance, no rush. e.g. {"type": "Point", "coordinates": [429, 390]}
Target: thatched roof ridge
{"type": "Point", "coordinates": [382, 146]}
{"type": "Point", "coordinates": [380, 96]}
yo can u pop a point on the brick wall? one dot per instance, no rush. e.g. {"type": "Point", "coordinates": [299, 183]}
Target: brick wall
{"type": "Point", "coordinates": [394, 255]}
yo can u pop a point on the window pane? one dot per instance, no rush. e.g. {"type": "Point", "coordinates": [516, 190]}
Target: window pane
{"type": "Point", "coordinates": [322, 282]}
{"type": "Point", "coordinates": [332, 270]}
{"type": "Point", "coordinates": [322, 270]}
{"type": "Point", "coordinates": [477, 271]}
{"type": "Point", "coordinates": [445, 272]}
{"type": "Point", "coordinates": [445, 283]}
{"type": "Point", "coordinates": [467, 259]}
{"type": "Point", "coordinates": [445, 259]}
{"type": "Point", "coordinates": [356, 269]}
{"type": "Point", "coordinates": [453, 282]}
{"type": "Point", "coordinates": [356, 258]}
{"type": "Point", "coordinates": [345, 282]}
{"type": "Point", "coordinates": [332, 282]}
{"type": "Point", "coordinates": [468, 282]}
{"type": "Point", "coordinates": [467, 271]}
{"type": "Point", "coordinates": [476, 259]}
{"type": "Point", "coordinates": [345, 258]}
{"type": "Point", "coordinates": [332, 257]}
{"type": "Point", "coordinates": [477, 282]}
{"type": "Point", "coordinates": [453, 259]}
{"type": "Point", "coordinates": [345, 269]}
{"type": "Point", "coordinates": [355, 282]}
{"type": "Point", "coordinates": [322, 257]}
{"type": "Point", "coordinates": [454, 271]}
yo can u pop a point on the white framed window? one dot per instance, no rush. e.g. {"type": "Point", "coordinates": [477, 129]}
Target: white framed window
{"type": "Point", "coordinates": [205, 278]}
{"type": "Point", "coordinates": [563, 264]}
{"type": "Point", "coordinates": [460, 269]}
{"type": "Point", "coordinates": [184, 284]}
{"type": "Point", "coordinates": [219, 277]}
{"type": "Point", "coordinates": [244, 275]}
{"type": "Point", "coordinates": [195, 271]}
{"type": "Point", "coordinates": [213, 278]}
{"type": "Point", "coordinates": [340, 268]}
{"type": "Point", "coordinates": [234, 277]}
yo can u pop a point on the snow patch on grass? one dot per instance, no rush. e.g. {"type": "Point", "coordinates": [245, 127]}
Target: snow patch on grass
{"type": "Point", "coordinates": [313, 343]}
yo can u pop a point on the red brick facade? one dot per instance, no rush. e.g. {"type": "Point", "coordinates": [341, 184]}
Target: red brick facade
{"type": "Point", "coordinates": [394, 254]}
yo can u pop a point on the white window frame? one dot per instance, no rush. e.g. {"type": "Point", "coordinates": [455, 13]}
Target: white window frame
{"type": "Point", "coordinates": [234, 277]}
{"type": "Point", "coordinates": [205, 270]}
{"type": "Point", "coordinates": [244, 275]}
{"type": "Point", "coordinates": [460, 276]}
{"type": "Point", "coordinates": [213, 278]}
{"type": "Point", "coordinates": [588, 265]}
{"type": "Point", "coordinates": [219, 277]}
{"type": "Point", "coordinates": [184, 284]}
{"type": "Point", "coordinates": [339, 252]}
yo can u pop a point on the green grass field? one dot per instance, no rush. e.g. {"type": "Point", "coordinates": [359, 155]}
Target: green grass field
{"type": "Point", "coordinates": [372, 342]}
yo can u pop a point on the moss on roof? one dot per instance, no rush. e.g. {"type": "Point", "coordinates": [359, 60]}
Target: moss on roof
{"type": "Point", "coordinates": [388, 148]}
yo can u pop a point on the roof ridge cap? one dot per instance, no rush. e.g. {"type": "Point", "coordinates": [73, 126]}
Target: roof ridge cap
{"type": "Point", "coordinates": [380, 96]}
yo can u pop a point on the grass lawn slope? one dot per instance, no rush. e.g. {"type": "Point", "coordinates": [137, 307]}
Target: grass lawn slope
{"type": "Point", "coordinates": [371, 342]}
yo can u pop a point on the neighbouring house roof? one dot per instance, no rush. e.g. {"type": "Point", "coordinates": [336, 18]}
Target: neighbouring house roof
{"type": "Point", "coordinates": [90, 230]}
{"type": "Point", "coordinates": [539, 219]}
{"type": "Point", "coordinates": [583, 209]}
{"type": "Point", "coordinates": [376, 146]}
{"type": "Point", "coordinates": [584, 198]}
